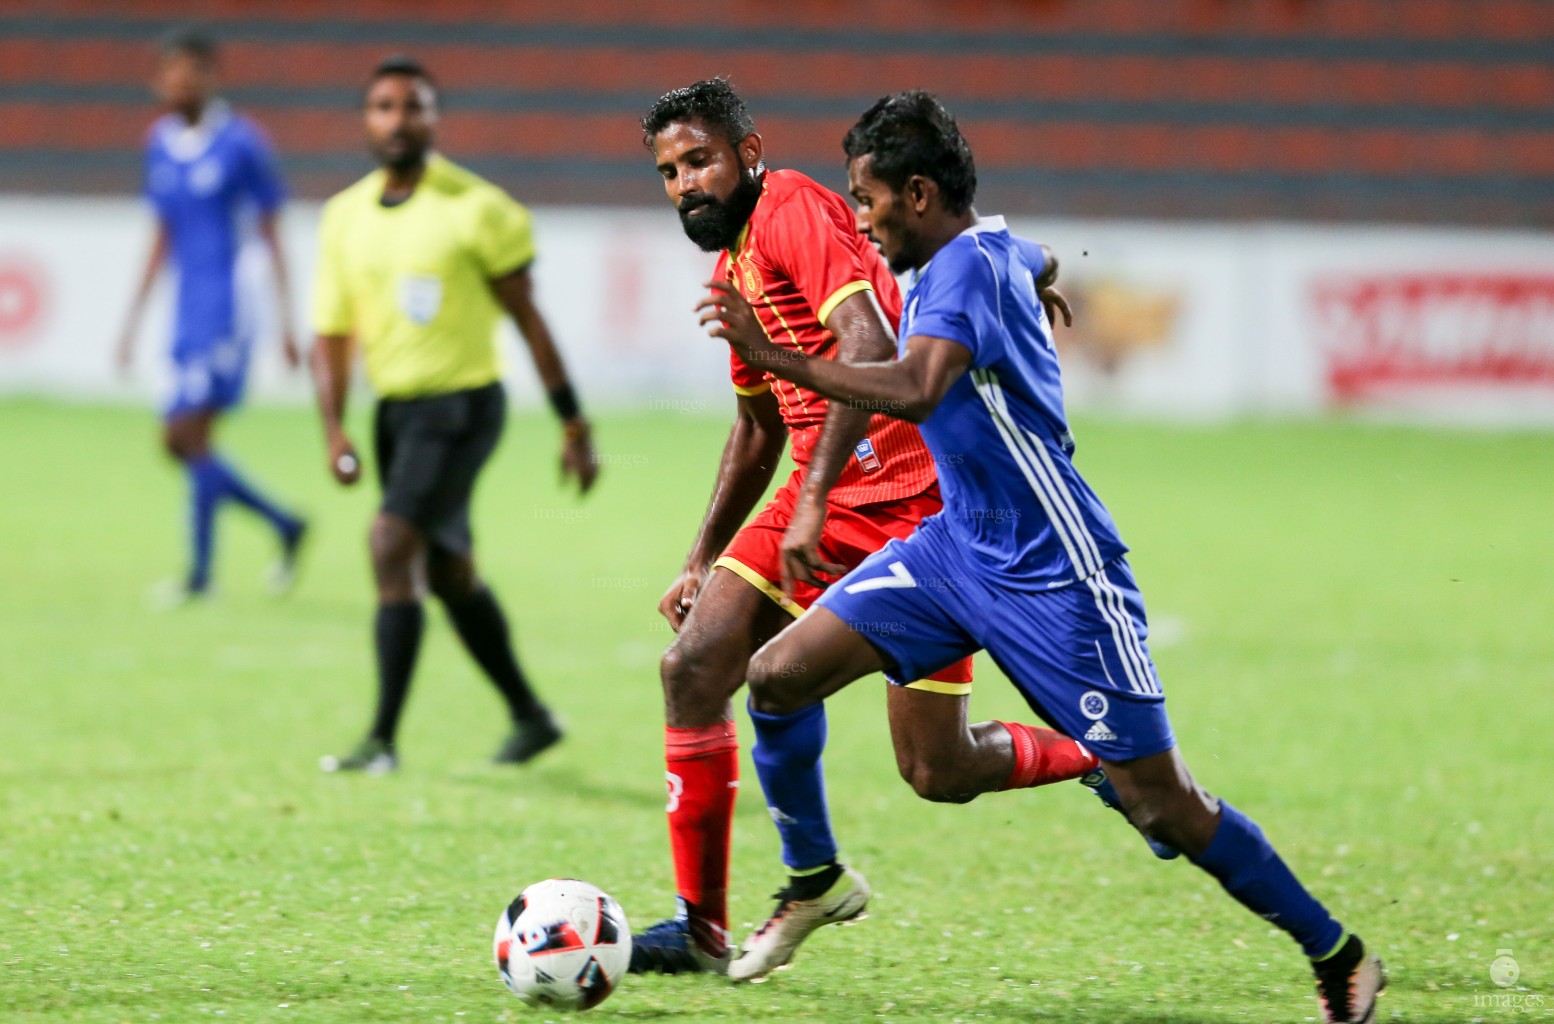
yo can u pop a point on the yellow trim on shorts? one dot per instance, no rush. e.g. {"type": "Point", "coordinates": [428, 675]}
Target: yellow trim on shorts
{"type": "Point", "coordinates": [760, 583]}
{"type": "Point", "coordinates": [846, 291]}
{"type": "Point", "coordinates": [747, 392]}
{"type": "Point", "coordinates": [937, 686]}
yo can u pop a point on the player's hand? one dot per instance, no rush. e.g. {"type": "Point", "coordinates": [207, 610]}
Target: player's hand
{"type": "Point", "coordinates": [1053, 302]}
{"type": "Point", "coordinates": [578, 457]}
{"type": "Point", "coordinates": [801, 561]}
{"type": "Point", "coordinates": [343, 460]}
{"type": "Point", "coordinates": [681, 596]}
{"type": "Point", "coordinates": [289, 350]}
{"type": "Point", "coordinates": [733, 320]}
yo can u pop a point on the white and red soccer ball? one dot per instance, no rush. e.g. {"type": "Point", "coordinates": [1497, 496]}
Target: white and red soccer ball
{"type": "Point", "coordinates": [562, 943]}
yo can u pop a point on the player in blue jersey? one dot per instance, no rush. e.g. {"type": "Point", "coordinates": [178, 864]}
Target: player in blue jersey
{"type": "Point", "coordinates": [1024, 561]}
{"type": "Point", "coordinates": [212, 181]}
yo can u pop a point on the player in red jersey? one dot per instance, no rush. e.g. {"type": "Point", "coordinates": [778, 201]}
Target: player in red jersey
{"type": "Point", "coordinates": [792, 248]}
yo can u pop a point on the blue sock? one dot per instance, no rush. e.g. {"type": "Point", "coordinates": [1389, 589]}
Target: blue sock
{"type": "Point", "coordinates": [1251, 870]}
{"type": "Point", "coordinates": [787, 761]}
{"type": "Point", "coordinates": [241, 491]}
{"type": "Point", "coordinates": [206, 488]}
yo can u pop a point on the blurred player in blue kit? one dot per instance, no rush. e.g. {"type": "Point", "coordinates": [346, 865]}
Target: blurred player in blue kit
{"type": "Point", "coordinates": [1045, 587]}
{"type": "Point", "coordinates": [211, 179]}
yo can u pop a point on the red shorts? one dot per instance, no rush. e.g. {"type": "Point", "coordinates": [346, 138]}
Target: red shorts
{"type": "Point", "coordinates": [851, 535]}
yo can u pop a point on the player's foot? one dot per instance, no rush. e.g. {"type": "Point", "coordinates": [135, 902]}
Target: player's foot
{"type": "Point", "coordinates": [773, 944]}
{"type": "Point", "coordinates": [283, 574]}
{"type": "Point", "coordinates": [1348, 983]}
{"type": "Point", "coordinates": [667, 948]}
{"type": "Point", "coordinates": [1103, 788]}
{"type": "Point", "coordinates": [371, 756]}
{"type": "Point", "coordinates": [530, 737]}
{"type": "Point", "coordinates": [170, 595]}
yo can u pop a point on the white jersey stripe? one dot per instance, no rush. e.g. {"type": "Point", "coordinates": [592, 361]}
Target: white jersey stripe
{"type": "Point", "coordinates": [1068, 523]}
{"type": "Point", "coordinates": [1132, 645]}
{"type": "Point", "coordinates": [979, 376]}
{"type": "Point", "coordinates": [1134, 682]}
{"type": "Point", "coordinates": [1061, 487]}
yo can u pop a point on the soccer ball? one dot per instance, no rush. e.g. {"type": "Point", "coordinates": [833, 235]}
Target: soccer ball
{"type": "Point", "coordinates": [562, 943]}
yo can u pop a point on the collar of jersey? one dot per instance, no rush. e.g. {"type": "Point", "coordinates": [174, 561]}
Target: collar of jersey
{"type": "Point", "coordinates": [436, 164]}
{"type": "Point", "coordinates": [982, 226]}
{"type": "Point", "coordinates": [187, 142]}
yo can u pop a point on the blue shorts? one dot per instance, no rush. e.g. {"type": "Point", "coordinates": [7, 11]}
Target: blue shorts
{"type": "Point", "coordinates": [1076, 652]}
{"type": "Point", "coordinates": [208, 379]}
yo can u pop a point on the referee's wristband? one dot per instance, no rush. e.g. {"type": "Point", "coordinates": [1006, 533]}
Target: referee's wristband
{"type": "Point", "coordinates": [564, 401]}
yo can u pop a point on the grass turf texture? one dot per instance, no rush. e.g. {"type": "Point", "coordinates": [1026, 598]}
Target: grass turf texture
{"type": "Point", "coordinates": [1353, 624]}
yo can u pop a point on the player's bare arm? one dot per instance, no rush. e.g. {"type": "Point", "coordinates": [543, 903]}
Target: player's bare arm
{"type": "Point", "coordinates": [124, 355]}
{"type": "Point", "coordinates": [750, 456]}
{"type": "Point", "coordinates": [1052, 300]}
{"type": "Point", "coordinates": [908, 389]}
{"type": "Point", "coordinates": [331, 365]}
{"type": "Point", "coordinates": [515, 292]}
{"type": "Point", "coordinates": [269, 233]}
{"type": "Point", "coordinates": [863, 336]}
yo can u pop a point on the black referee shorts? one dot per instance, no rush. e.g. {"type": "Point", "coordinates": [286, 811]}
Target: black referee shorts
{"type": "Point", "coordinates": [429, 452]}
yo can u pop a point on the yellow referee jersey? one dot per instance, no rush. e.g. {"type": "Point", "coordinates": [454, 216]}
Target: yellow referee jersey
{"type": "Point", "coordinates": [411, 282]}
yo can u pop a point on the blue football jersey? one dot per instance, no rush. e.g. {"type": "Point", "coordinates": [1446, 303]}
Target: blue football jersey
{"type": "Point", "coordinates": [1012, 497]}
{"type": "Point", "coordinates": [207, 183]}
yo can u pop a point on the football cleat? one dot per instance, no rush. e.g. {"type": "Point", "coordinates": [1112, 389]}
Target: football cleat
{"type": "Point", "coordinates": [667, 948]}
{"type": "Point", "coordinates": [1348, 983]}
{"type": "Point", "coordinates": [773, 944]}
{"type": "Point", "coordinates": [282, 577]}
{"type": "Point", "coordinates": [371, 756]}
{"type": "Point", "coordinates": [1103, 788]}
{"type": "Point", "coordinates": [530, 737]}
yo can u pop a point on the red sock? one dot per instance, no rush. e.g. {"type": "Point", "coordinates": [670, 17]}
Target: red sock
{"type": "Point", "coordinates": [1042, 756]}
{"type": "Point", "coordinates": [703, 773]}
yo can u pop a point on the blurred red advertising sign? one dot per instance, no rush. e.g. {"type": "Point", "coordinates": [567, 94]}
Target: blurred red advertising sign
{"type": "Point", "coordinates": [22, 294]}
{"type": "Point", "coordinates": [1396, 332]}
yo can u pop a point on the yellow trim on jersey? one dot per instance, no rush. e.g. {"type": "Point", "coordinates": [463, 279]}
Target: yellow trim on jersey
{"type": "Point", "coordinates": [844, 292]}
{"type": "Point", "coordinates": [747, 392]}
{"type": "Point", "coordinates": [935, 686]}
{"type": "Point", "coordinates": [760, 583]}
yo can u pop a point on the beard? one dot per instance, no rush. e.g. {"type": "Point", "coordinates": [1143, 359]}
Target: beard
{"type": "Point", "coordinates": [720, 221]}
{"type": "Point", "coordinates": [408, 158]}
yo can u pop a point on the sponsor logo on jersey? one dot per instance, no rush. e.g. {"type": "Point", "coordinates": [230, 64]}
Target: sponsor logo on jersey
{"type": "Point", "coordinates": [866, 456]}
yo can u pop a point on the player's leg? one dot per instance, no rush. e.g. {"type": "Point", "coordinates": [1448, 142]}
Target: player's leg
{"type": "Point", "coordinates": [947, 759]}
{"type": "Point", "coordinates": [481, 625]}
{"type": "Point", "coordinates": [701, 671]}
{"type": "Point", "coordinates": [409, 460]}
{"type": "Point", "coordinates": [1162, 799]}
{"type": "Point", "coordinates": [186, 437]}
{"type": "Point", "coordinates": [207, 388]}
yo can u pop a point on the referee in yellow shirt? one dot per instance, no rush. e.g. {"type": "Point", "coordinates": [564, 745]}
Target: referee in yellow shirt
{"type": "Point", "coordinates": [417, 263]}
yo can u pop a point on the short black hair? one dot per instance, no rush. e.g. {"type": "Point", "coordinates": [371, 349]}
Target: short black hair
{"type": "Point", "coordinates": [402, 64]}
{"type": "Point", "coordinates": [712, 101]}
{"type": "Point", "coordinates": [192, 40]}
{"type": "Point", "coordinates": [911, 133]}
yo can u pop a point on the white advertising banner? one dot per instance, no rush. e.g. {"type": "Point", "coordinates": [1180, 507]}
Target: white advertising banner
{"type": "Point", "coordinates": [1172, 320]}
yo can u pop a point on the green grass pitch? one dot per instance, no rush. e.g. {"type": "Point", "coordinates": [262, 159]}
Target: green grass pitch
{"type": "Point", "coordinates": [1355, 625]}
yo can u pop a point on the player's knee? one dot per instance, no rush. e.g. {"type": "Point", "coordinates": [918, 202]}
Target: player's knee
{"type": "Point", "coordinates": [937, 782]}
{"type": "Point", "coordinates": [777, 683]}
{"type": "Point", "coordinates": [452, 579]}
{"type": "Point", "coordinates": [393, 545]}
{"type": "Point", "coordinates": [693, 687]}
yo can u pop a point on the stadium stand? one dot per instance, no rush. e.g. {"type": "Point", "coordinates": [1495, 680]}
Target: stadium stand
{"type": "Point", "coordinates": [1375, 110]}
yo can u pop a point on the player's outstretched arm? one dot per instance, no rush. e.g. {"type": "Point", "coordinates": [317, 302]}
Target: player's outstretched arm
{"type": "Point", "coordinates": [907, 389]}
{"type": "Point", "coordinates": [863, 336]}
{"type": "Point", "coordinates": [331, 364]}
{"type": "Point", "coordinates": [750, 457]}
{"type": "Point", "coordinates": [515, 291]}
{"type": "Point", "coordinates": [124, 354]}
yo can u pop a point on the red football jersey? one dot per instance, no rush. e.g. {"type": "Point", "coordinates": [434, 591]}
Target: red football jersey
{"type": "Point", "coordinates": [799, 255]}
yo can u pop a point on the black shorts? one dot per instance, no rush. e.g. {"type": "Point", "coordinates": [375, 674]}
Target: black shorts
{"type": "Point", "coordinates": [429, 451]}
